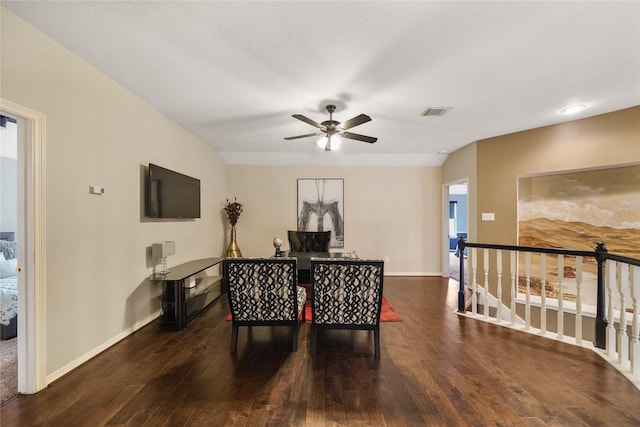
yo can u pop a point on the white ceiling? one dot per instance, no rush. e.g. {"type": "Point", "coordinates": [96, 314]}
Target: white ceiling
{"type": "Point", "coordinates": [234, 72]}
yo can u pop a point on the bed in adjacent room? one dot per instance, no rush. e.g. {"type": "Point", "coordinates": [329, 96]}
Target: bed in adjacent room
{"type": "Point", "coordinates": [8, 290]}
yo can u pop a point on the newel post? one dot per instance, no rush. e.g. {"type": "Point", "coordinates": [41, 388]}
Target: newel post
{"type": "Point", "coordinates": [461, 245]}
{"type": "Point", "coordinates": [601, 316]}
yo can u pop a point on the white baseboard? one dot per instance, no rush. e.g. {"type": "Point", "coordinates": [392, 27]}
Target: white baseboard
{"type": "Point", "coordinates": [91, 354]}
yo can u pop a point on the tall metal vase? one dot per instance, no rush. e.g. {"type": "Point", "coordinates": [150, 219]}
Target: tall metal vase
{"type": "Point", "coordinates": [233, 251]}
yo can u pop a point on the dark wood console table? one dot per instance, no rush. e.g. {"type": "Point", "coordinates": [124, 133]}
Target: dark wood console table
{"type": "Point", "coordinates": [182, 301]}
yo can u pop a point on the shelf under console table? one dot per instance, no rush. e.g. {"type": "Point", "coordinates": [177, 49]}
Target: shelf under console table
{"type": "Point", "coordinates": [184, 295]}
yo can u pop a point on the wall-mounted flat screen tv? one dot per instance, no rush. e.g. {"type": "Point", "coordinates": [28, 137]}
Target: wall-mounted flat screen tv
{"type": "Point", "coordinates": [171, 194]}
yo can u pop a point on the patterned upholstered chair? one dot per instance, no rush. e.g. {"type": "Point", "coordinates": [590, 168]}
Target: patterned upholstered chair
{"type": "Point", "coordinates": [346, 294]}
{"type": "Point", "coordinates": [263, 292]}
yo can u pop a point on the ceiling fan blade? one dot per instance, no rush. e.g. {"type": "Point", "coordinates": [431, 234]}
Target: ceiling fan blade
{"type": "Point", "coordinates": [307, 120]}
{"type": "Point", "coordinates": [357, 120]}
{"type": "Point", "coordinates": [358, 137]}
{"type": "Point", "coordinates": [289, 138]}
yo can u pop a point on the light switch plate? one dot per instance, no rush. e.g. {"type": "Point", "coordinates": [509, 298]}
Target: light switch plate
{"type": "Point", "coordinates": [488, 216]}
{"type": "Point", "coordinates": [94, 189]}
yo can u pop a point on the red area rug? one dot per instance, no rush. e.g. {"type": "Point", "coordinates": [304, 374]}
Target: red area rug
{"type": "Point", "coordinates": [387, 313]}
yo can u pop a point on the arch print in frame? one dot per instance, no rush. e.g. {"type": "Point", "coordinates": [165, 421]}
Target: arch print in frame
{"type": "Point", "coordinates": [321, 207]}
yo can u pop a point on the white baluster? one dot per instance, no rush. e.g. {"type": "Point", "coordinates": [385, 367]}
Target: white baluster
{"type": "Point", "coordinates": [499, 289]}
{"type": "Point", "coordinates": [611, 330]}
{"type": "Point", "coordinates": [527, 307]}
{"type": "Point", "coordinates": [512, 266]}
{"type": "Point", "coordinates": [635, 322]}
{"type": "Point", "coordinates": [485, 299]}
{"type": "Point", "coordinates": [623, 338]}
{"type": "Point", "coordinates": [560, 297]}
{"type": "Point", "coordinates": [474, 284]}
{"type": "Point", "coordinates": [579, 300]}
{"type": "Point", "coordinates": [543, 293]}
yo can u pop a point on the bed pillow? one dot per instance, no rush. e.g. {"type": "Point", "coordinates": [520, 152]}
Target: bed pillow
{"type": "Point", "coordinates": [8, 249]}
{"type": "Point", "coordinates": [8, 268]}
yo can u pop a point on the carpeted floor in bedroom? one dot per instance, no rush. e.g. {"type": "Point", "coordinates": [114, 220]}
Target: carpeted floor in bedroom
{"type": "Point", "coordinates": [8, 369]}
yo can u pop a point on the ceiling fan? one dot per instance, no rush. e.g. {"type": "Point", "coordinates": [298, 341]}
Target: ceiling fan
{"type": "Point", "coordinates": [332, 128]}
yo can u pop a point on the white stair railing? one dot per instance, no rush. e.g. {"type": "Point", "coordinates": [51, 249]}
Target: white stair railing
{"type": "Point", "coordinates": [560, 328]}
{"type": "Point", "coordinates": [578, 322]}
{"type": "Point", "coordinates": [634, 357]}
{"type": "Point", "coordinates": [553, 292]}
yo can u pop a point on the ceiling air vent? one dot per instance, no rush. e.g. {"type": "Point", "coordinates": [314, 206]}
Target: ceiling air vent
{"type": "Point", "coordinates": [436, 111]}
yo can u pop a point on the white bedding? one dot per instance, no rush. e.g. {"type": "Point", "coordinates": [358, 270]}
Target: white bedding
{"type": "Point", "coordinates": [8, 299]}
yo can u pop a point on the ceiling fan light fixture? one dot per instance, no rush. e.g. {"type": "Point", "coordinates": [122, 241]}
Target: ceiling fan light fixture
{"type": "Point", "coordinates": [333, 146]}
{"type": "Point", "coordinates": [332, 131]}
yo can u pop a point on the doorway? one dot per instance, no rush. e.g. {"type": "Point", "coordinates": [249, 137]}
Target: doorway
{"type": "Point", "coordinates": [457, 225]}
{"type": "Point", "coordinates": [8, 258]}
{"type": "Point", "coordinates": [30, 236]}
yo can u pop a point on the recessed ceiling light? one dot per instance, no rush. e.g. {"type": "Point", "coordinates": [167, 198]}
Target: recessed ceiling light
{"type": "Point", "coordinates": [443, 152]}
{"type": "Point", "coordinates": [573, 109]}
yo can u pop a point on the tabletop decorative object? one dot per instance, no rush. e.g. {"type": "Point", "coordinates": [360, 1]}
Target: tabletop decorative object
{"type": "Point", "coordinates": [233, 210]}
{"type": "Point", "coordinates": [277, 243]}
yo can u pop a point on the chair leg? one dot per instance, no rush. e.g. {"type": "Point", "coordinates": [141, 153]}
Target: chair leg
{"type": "Point", "coordinates": [314, 339]}
{"type": "Point", "coordinates": [234, 338]}
{"type": "Point", "coordinates": [376, 340]}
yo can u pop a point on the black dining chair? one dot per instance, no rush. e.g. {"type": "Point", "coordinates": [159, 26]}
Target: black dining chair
{"type": "Point", "coordinates": [309, 241]}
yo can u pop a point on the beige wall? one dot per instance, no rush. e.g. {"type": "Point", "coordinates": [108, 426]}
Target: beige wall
{"type": "Point", "coordinates": [97, 133]}
{"type": "Point", "coordinates": [388, 211]}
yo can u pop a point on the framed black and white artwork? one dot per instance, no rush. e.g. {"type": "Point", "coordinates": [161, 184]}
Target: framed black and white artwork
{"type": "Point", "coordinates": [321, 207]}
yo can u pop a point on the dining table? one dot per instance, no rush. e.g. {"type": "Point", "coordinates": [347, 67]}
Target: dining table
{"type": "Point", "coordinates": [304, 261]}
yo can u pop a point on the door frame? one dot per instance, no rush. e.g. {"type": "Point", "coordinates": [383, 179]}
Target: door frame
{"type": "Point", "coordinates": [32, 375]}
{"type": "Point", "coordinates": [445, 222]}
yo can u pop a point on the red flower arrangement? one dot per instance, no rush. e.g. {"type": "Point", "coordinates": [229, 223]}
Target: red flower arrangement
{"type": "Point", "coordinates": [233, 211]}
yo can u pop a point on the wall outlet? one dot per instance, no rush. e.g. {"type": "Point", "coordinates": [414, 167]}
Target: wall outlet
{"type": "Point", "coordinates": [386, 259]}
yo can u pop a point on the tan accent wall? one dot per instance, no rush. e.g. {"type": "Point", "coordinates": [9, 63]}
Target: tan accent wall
{"type": "Point", "coordinates": [493, 166]}
{"type": "Point", "coordinates": [600, 141]}
{"type": "Point", "coordinates": [462, 166]}
{"type": "Point", "coordinates": [388, 211]}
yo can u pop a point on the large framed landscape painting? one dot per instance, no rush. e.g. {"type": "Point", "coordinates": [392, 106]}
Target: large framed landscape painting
{"type": "Point", "coordinates": [574, 210]}
{"type": "Point", "coordinates": [321, 208]}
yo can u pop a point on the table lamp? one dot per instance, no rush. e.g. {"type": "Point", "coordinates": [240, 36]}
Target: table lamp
{"type": "Point", "coordinates": [161, 251]}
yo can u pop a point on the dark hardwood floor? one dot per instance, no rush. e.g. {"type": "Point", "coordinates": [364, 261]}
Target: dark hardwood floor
{"type": "Point", "coordinates": [436, 369]}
